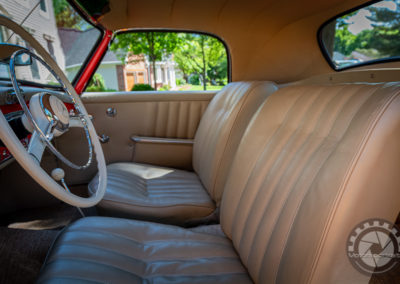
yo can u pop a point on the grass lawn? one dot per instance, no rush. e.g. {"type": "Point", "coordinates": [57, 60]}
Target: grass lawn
{"type": "Point", "coordinates": [198, 88]}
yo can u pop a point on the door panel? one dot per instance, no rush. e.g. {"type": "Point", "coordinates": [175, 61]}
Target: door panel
{"type": "Point", "coordinates": [174, 155]}
{"type": "Point", "coordinates": [140, 114]}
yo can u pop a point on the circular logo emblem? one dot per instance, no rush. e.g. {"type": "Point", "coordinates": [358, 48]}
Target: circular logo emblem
{"type": "Point", "coordinates": [373, 246]}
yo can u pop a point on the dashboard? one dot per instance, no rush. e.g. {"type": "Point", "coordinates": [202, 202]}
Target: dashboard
{"type": "Point", "coordinates": [13, 113]}
{"type": "Point", "coordinates": [14, 119]}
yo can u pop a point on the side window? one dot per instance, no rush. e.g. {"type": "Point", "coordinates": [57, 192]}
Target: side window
{"type": "Point", "coordinates": [364, 36]}
{"type": "Point", "coordinates": [154, 60]}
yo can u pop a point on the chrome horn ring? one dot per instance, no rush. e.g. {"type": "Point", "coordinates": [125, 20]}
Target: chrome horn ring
{"type": "Point", "coordinates": [55, 111]}
{"type": "Point", "coordinates": [47, 137]}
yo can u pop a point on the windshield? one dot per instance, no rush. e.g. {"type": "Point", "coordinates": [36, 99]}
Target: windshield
{"type": "Point", "coordinates": [66, 36]}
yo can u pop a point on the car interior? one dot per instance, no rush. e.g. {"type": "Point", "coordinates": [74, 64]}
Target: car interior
{"type": "Point", "coordinates": [259, 177]}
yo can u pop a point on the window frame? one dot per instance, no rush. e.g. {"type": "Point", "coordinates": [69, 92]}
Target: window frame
{"type": "Point", "coordinates": [228, 54]}
{"type": "Point", "coordinates": [324, 49]}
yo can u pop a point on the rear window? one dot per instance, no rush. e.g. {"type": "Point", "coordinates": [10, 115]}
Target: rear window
{"type": "Point", "coordinates": [363, 36]}
{"type": "Point", "coordinates": [162, 61]}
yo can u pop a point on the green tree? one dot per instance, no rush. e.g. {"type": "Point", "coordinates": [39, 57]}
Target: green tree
{"type": "Point", "coordinates": [96, 84]}
{"type": "Point", "coordinates": [218, 69]}
{"type": "Point", "coordinates": [155, 45]}
{"type": "Point", "coordinates": [345, 41]}
{"type": "Point", "coordinates": [66, 16]}
{"type": "Point", "coordinates": [203, 55]}
{"type": "Point", "coordinates": [385, 35]}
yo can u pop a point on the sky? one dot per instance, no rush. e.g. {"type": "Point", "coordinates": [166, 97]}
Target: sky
{"type": "Point", "coordinates": [359, 21]}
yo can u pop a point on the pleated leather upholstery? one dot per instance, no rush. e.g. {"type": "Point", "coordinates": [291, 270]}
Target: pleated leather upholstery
{"type": "Point", "coordinates": [315, 162]}
{"type": "Point", "coordinates": [221, 128]}
{"type": "Point", "coordinates": [110, 250]}
{"type": "Point", "coordinates": [181, 196]}
{"type": "Point", "coordinates": [160, 194]}
{"type": "Point", "coordinates": [177, 119]}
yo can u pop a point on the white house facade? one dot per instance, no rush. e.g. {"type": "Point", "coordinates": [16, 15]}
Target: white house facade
{"type": "Point", "coordinates": [41, 24]}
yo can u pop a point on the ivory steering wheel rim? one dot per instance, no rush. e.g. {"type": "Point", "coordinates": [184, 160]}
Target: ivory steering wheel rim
{"type": "Point", "coordinates": [26, 160]}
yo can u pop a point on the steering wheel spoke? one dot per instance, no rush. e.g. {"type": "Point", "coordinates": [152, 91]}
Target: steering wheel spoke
{"type": "Point", "coordinates": [36, 147]}
{"type": "Point", "coordinates": [76, 122]}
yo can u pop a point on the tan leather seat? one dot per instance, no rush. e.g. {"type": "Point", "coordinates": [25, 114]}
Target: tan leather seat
{"type": "Point", "coordinates": [111, 250]}
{"type": "Point", "coordinates": [160, 194]}
{"type": "Point", "coordinates": [142, 192]}
{"type": "Point", "coordinates": [314, 162]}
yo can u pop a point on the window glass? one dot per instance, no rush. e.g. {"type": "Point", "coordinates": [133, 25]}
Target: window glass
{"type": "Point", "coordinates": [367, 35]}
{"type": "Point", "coordinates": [57, 27]}
{"type": "Point", "coordinates": [43, 5]}
{"type": "Point", "coordinates": [176, 61]}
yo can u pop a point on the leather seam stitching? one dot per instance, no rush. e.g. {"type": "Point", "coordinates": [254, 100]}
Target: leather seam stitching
{"type": "Point", "coordinates": [347, 177]}
{"type": "Point", "coordinates": [267, 174]}
{"type": "Point", "coordinates": [306, 191]}
{"type": "Point", "coordinates": [162, 206]}
{"type": "Point", "coordinates": [231, 130]}
{"type": "Point", "coordinates": [221, 243]}
{"type": "Point", "coordinates": [265, 144]}
{"type": "Point", "coordinates": [151, 261]}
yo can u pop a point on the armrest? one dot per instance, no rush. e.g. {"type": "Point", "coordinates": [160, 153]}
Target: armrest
{"type": "Point", "coordinates": [156, 140]}
{"type": "Point", "coordinates": [166, 152]}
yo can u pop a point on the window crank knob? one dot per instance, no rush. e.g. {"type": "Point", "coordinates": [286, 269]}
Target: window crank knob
{"type": "Point", "coordinates": [104, 138]}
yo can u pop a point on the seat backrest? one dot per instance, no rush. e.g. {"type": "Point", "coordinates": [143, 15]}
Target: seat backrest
{"type": "Point", "coordinates": [314, 162]}
{"type": "Point", "coordinates": [221, 128]}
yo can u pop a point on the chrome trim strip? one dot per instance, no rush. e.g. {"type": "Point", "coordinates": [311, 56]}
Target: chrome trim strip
{"type": "Point", "coordinates": [157, 140]}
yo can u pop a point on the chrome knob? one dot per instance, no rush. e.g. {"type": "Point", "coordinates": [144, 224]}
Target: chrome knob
{"type": "Point", "coordinates": [104, 138]}
{"type": "Point", "coordinates": [111, 112]}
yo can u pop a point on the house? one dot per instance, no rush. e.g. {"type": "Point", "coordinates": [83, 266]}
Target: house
{"type": "Point", "coordinates": [77, 44]}
{"type": "Point", "coordinates": [41, 24]}
{"type": "Point", "coordinates": [117, 75]}
{"type": "Point", "coordinates": [138, 70]}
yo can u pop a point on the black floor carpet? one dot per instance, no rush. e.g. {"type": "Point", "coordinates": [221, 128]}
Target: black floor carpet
{"type": "Point", "coordinates": [46, 218]}
{"type": "Point", "coordinates": [26, 236]}
{"type": "Point", "coordinates": [23, 253]}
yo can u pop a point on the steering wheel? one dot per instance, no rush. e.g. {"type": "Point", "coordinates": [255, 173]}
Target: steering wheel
{"type": "Point", "coordinates": [47, 117]}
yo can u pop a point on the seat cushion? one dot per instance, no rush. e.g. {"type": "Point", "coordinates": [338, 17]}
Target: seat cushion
{"type": "Point", "coordinates": [153, 193]}
{"type": "Point", "coordinates": [111, 250]}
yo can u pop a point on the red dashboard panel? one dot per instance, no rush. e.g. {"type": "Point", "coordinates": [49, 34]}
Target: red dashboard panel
{"type": "Point", "coordinates": [6, 155]}
{"type": "Point", "coordinates": [10, 108]}
{"type": "Point", "coordinates": [16, 107]}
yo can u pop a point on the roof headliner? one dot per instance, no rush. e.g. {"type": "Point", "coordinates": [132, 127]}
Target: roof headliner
{"type": "Point", "coordinates": [267, 39]}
